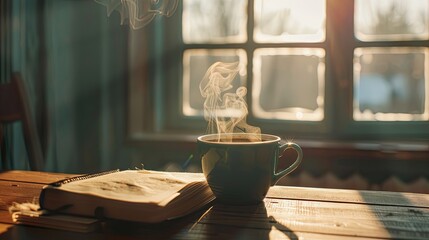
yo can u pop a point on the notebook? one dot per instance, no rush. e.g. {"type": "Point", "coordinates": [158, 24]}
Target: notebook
{"type": "Point", "coordinates": [133, 195]}
{"type": "Point", "coordinates": [30, 214]}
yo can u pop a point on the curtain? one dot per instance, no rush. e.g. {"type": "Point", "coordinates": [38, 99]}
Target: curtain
{"type": "Point", "coordinates": [73, 59]}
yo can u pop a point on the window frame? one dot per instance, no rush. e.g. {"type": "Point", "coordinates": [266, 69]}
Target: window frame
{"type": "Point", "coordinates": [157, 93]}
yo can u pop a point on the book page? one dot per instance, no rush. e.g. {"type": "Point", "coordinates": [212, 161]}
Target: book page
{"type": "Point", "coordinates": [134, 185]}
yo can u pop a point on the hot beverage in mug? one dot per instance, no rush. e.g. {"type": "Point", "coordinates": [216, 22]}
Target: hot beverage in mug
{"type": "Point", "coordinates": [240, 168]}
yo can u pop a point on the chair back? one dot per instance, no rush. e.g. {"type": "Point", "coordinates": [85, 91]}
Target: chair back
{"type": "Point", "coordinates": [14, 106]}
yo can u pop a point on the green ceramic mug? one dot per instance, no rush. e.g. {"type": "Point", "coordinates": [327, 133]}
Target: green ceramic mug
{"type": "Point", "coordinates": [240, 171]}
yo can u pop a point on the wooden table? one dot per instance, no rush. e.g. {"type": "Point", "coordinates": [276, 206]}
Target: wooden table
{"type": "Point", "coordinates": [287, 213]}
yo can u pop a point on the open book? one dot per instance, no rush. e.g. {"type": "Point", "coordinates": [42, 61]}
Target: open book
{"type": "Point", "coordinates": [133, 195]}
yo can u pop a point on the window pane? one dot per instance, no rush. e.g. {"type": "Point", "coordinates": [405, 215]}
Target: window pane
{"type": "Point", "coordinates": [214, 21]}
{"type": "Point", "coordinates": [391, 19]}
{"type": "Point", "coordinates": [196, 62]}
{"type": "Point", "coordinates": [289, 21]}
{"type": "Point", "coordinates": [289, 83]}
{"type": "Point", "coordinates": [391, 84]}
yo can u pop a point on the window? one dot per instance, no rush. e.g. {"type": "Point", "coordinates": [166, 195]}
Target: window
{"type": "Point", "coordinates": [338, 69]}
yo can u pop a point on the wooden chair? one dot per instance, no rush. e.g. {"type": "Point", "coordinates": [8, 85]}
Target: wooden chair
{"type": "Point", "coordinates": [14, 106]}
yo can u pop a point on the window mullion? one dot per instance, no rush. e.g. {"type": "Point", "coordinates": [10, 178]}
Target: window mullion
{"type": "Point", "coordinates": [340, 45]}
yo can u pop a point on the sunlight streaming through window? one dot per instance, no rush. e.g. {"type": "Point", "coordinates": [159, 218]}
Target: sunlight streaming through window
{"type": "Point", "coordinates": [289, 83]}
{"type": "Point", "coordinates": [195, 64]}
{"type": "Point", "coordinates": [289, 21]}
{"type": "Point", "coordinates": [390, 84]}
{"type": "Point", "coordinates": [214, 21]}
{"type": "Point", "coordinates": [391, 20]}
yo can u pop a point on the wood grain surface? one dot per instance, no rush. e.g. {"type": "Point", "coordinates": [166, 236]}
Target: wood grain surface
{"type": "Point", "coordinates": [286, 213]}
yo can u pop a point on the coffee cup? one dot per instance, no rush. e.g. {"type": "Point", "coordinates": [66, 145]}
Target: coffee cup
{"type": "Point", "coordinates": [241, 167]}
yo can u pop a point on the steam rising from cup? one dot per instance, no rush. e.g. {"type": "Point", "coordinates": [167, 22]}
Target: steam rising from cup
{"type": "Point", "coordinates": [140, 12]}
{"type": "Point", "coordinates": [225, 112]}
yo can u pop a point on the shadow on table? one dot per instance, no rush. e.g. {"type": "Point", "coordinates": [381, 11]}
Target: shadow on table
{"type": "Point", "coordinates": [238, 222]}
{"type": "Point", "coordinates": [110, 229]}
{"type": "Point", "coordinates": [403, 216]}
{"type": "Point", "coordinates": [216, 222]}
{"type": "Point", "coordinates": [18, 232]}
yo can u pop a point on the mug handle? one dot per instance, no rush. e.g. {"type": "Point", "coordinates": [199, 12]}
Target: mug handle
{"type": "Point", "coordinates": [284, 172]}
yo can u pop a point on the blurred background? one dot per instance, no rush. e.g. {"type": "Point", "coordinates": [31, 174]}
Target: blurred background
{"type": "Point", "coordinates": [115, 84]}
